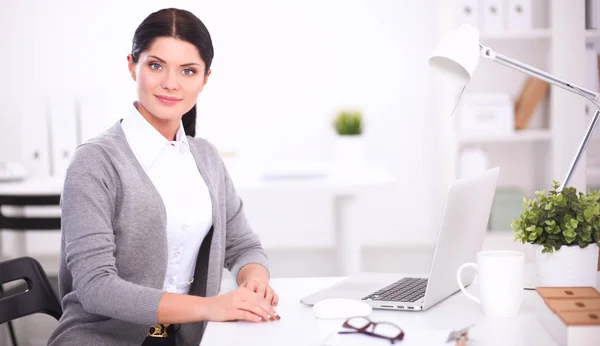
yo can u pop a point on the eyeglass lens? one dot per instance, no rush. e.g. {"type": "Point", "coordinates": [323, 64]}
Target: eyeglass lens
{"type": "Point", "coordinates": [387, 330]}
{"type": "Point", "coordinates": [358, 322]}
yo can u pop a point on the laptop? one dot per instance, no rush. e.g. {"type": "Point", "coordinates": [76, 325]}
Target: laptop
{"type": "Point", "coordinates": [461, 233]}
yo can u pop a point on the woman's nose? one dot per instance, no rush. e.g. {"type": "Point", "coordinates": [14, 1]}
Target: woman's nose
{"type": "Point", "coordinates": [170, 81]}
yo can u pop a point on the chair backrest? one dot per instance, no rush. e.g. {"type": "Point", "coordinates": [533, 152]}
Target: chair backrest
{"type": "Point", "coordinates": [38, 297]}
{"type": "Point", "coordinates": [29, 223]}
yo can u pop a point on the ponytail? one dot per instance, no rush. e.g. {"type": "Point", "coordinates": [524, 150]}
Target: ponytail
{"type": "Point", "coordinates": [189, 122]}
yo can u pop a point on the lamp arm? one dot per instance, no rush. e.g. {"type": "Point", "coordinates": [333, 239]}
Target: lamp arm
{"type": "Point", "coordinates": [488, 53]}
{"type": "Point", "coordinates": [594, 97]}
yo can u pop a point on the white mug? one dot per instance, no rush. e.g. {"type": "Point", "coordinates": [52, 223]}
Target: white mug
{"type": "Point", "coordinates": [501, 280]}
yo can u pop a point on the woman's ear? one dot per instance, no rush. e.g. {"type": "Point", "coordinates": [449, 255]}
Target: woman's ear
{"type": "Point", "coordinates": [131, 66]}
{"type": "Point", "coordinates": [206, 77]}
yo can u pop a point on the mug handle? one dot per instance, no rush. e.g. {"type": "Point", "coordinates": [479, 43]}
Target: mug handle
{"type": "Point", "coordinates": [460, 284]}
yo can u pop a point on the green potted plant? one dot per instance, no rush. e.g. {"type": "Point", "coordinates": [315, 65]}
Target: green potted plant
{"type": "Point", "coordinates": [564, 228]}
{"type": "Point", "coordinates": [348, 123]}
{"type": "Point", "coordinates": [349, 143]}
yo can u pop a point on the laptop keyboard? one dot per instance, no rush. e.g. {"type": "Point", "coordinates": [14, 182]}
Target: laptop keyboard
{"type": "Point", "coordinates": [404, 290]}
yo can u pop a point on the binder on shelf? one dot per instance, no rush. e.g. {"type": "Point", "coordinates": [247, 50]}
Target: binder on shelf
{"type": "Point", "coordinates": [519, 15]}
{"type": "Point", "coordinates": [91, 113]}
{"type": "Point", "coordinates": [63, 130]}
{"type": "Point", "coordinates": [493, 16]}
{"type": "Point", "coordinates": [35, 155]}
{"type": "Point", "coordinates": [531, 96]}
{"type": "Point", "coordinates": [467, 12]}
{"type": "Point", "coordinates": [592, 14]}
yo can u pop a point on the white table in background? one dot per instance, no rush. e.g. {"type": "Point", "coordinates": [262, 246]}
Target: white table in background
{"type": "Point", "coordinates": [342, 187]}
{"type": "Point", "coordinates": [28, 187]}
{"type": "Point", "coordinates": [299, 327]}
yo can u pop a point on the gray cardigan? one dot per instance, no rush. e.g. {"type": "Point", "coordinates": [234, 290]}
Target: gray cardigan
{"type": "Point", "coordinates": [113, 254]}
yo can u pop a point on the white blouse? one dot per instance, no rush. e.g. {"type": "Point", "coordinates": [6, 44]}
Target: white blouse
{"type": "Point", "coordinates": [173, 171]}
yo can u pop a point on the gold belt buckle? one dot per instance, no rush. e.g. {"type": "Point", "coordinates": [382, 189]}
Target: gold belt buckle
{"type": "Point", "coordinates": [158, 331]}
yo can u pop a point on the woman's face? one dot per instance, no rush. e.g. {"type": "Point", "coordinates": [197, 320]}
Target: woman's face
{"type": "Point", "coordinates": [169, 76]}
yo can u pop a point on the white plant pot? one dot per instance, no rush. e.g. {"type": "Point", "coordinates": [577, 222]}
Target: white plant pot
{"type": "Point", "coordinates": [569, 266]}
{"type": "Point", "coordinates": [349, 152]}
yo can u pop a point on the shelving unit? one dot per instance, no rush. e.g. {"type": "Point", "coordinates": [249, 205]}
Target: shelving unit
{"type": "Point", "coordinates": [592, 36]}
{"type": "Point", "coordinates": [529, 159]}
{"type": "Point", "coordinates": [592, 33]}
{"type": "Point", "coordinates": [517, 35]}
{"type": "Point", "coordinates": [525, 136]}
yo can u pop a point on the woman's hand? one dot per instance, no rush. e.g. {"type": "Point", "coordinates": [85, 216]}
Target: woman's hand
{"type": "Point", "coordinates": [256, 278]}
{"type": "Point", "coordinates": [242, 304]}
{"type": "Point", "coordinates": [262, 289]}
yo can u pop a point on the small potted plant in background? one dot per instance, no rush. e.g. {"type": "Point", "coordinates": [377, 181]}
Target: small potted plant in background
{"type": "Point", "coordinates": [349, 148]}
{"type": "Point", "coordinates": [564, 228]}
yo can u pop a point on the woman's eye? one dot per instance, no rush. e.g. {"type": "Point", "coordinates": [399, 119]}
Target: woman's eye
{"type": "Point", "coordinates": [155, 66]}
{"type": "Point", "coordinates": [189, 71]}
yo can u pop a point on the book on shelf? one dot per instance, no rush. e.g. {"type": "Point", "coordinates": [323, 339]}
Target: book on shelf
{"type": "Point", "coordinates": [531, 96]}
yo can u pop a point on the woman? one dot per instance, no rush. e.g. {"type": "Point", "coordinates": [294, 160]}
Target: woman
{"type": "Point", "coordinates": [150, 215]}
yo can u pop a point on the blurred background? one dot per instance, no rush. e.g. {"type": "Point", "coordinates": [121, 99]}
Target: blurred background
{"type": "Point", "coordinates": [281, 74]}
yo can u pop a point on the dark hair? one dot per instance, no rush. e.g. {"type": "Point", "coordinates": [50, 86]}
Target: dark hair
{"type": "Point", "coordinates": [180, 24]}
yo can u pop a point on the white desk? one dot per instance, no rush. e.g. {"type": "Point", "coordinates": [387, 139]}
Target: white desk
{"type": "Point", "coordinates": [298, 326]}
{"type": "Point", "coordinates": [341, 187]}
{"type": "Point", "coordinates": [32, 186]}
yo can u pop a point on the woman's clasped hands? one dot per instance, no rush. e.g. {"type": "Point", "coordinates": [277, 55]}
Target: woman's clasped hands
{"type": "Point", "coordinates": [247, 303]}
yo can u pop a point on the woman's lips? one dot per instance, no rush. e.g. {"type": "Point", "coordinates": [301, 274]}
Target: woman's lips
{"type": "Point", "coordinates": [167, 100]}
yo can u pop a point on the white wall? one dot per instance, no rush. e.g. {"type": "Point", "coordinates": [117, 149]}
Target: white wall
{"type": "Point", "coordinates": [281, 70]}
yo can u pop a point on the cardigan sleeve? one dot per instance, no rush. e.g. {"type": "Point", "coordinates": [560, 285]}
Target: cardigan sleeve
{"type": "Point", "coordinates": [88, 207]}
{"type": "Point", "coordinates": [242, 245]}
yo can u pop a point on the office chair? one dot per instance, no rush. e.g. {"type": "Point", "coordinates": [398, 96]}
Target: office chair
{"type": "Point", "coordinates": [38, 297]}
{"type": "Point", "coordinates": [24, 223]}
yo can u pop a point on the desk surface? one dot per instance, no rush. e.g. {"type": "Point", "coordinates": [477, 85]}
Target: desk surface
{"type": "Point", "coordinates": [298, 326]}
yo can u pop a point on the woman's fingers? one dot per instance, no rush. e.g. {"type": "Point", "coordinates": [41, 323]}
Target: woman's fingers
{"type": "Point", "coordinates": [251, 285]}
{"type": "Point", "coordinates": [257, 310]}
{"type": "Point", "coordinates": [275, 299]}
{"type": "Point", "coordinates": [269, 295]}
{"type": "Point", "coordinates": [258, 287]}
{"type": "Point", "coordinates": [243, 315]}
{"type": "Point", "coordinates": [257, 300]}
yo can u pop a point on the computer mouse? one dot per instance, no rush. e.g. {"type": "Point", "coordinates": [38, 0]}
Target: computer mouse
{"type": "Point", "coordinates": [341, 308]}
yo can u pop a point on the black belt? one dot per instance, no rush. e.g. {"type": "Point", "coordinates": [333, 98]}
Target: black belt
{"type": "Point", "coordinates": [162, 330]}
{"type": "Point", "coordinates": [161, 335]}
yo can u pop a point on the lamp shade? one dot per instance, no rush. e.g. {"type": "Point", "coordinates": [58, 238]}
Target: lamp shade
{"type": "Point", "coordinates": [457, 54]}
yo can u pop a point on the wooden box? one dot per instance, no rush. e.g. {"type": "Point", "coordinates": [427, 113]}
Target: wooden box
{"type": "Point", "coordinates": [571, 315]}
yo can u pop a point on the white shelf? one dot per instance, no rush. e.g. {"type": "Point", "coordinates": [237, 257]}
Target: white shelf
{"type": "Point", "coordinates": [518, 35]}
{"type": "Point", "coordinates": [517, 137]}
{"type": "Point", "coordinates": [592, 33]}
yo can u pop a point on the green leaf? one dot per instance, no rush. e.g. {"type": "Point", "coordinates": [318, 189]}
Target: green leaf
{"type": "Point", "coordinates": [574, 223]}
{"type": "Point", "coordinates": [558, 218]}
{"type": "Point", "coordinates": [532, 236]}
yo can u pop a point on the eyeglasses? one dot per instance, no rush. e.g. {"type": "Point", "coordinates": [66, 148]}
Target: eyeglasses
{"type": "Point", "coordinates": [363, 325]}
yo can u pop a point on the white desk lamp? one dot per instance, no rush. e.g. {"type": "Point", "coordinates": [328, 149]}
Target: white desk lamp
{"type": "Point", "coordinates": [457, 56]}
